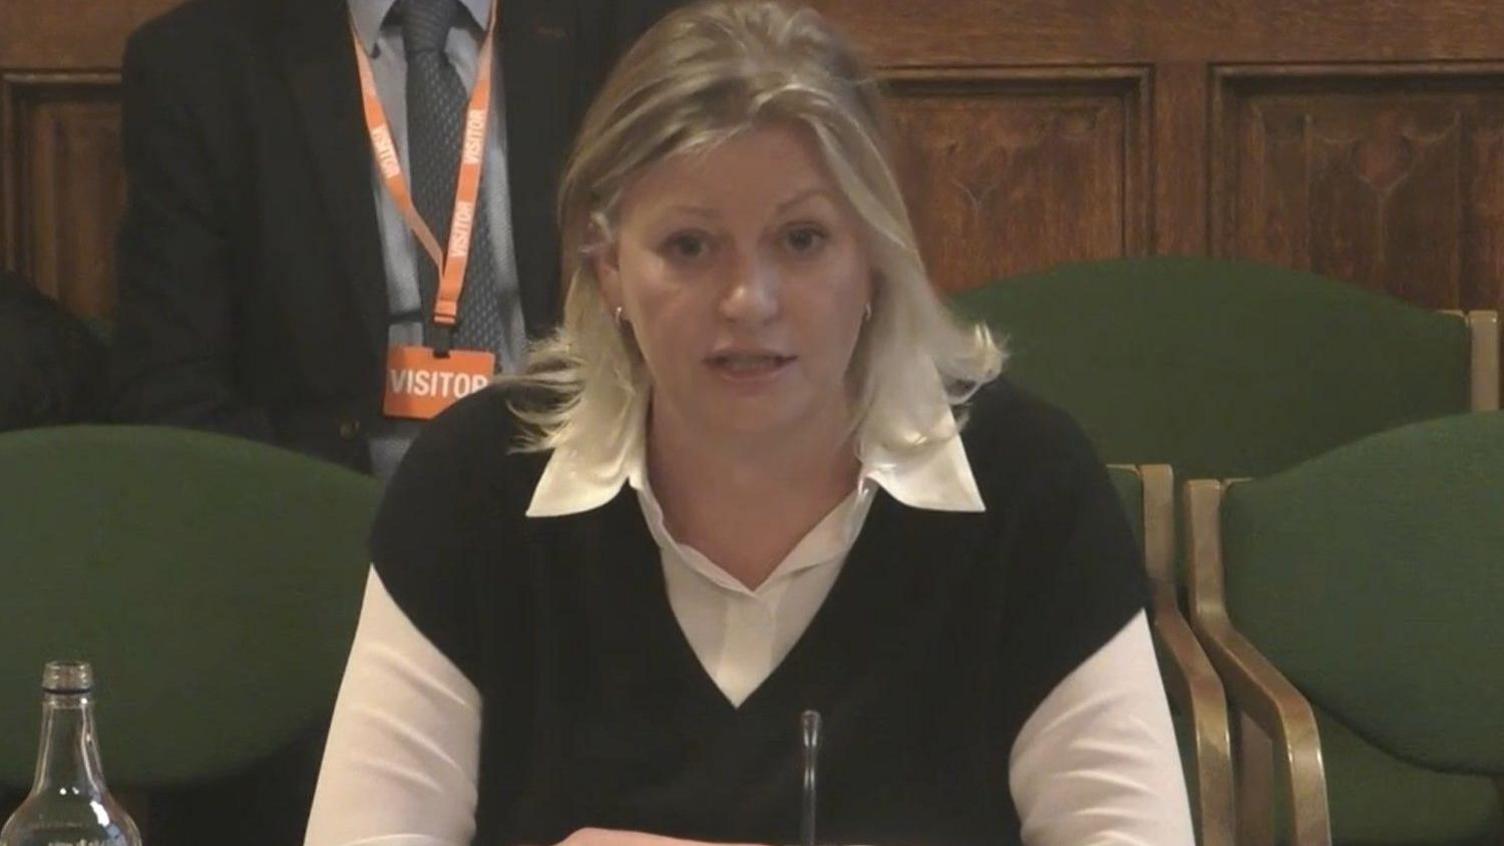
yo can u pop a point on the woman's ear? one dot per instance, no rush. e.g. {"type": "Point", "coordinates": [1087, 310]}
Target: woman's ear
{"type": "Point", "coordinates": [605, 261]}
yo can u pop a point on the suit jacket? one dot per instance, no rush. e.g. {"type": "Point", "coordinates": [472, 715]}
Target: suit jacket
{"type": "Point", "coordinates": [51, 364]}
{"type": "Point", "coordinates": [252, 295]}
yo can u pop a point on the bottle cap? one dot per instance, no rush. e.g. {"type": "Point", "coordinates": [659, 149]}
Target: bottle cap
{"type": "Point", "coordinates": [67, 677]}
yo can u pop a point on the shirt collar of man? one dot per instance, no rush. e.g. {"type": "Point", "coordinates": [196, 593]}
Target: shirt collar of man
{"type": "Point", "coordinates": [369, 15]}
{"type": "Point", "coordinates": [935, 479]}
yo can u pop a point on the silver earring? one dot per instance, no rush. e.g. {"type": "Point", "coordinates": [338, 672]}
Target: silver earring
{"type": "Point", "coordinates": [616, 315]}
{"type": "Point", "coordinates": [867, 313]}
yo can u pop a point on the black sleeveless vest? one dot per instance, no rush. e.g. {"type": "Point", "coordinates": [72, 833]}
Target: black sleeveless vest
{"type": "Point", "coordinates": [940, 637]}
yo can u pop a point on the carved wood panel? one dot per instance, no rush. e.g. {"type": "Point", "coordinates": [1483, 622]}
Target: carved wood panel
{"type": "Point", "coordinates": [1389, 178]}
{"type": "Point", "coordinates": [957, 33]}
{"type": "Point", "coordinates": [1415, 62]}
{"type": "Point", "coordinates": [64, 186]}
{"type": "Point", "coordinates": [61, 188]}
{"type": "Point", "coordinates": [1017, 170]}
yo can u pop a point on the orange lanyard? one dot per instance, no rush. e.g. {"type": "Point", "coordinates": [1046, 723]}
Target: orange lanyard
{"type": "Point", "coordinates": [452, 264]}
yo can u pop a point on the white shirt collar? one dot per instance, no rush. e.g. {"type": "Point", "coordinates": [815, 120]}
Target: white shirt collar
{"type": "Point", "coordinates": [369, 15]}
{"type": "Point", "coordinates": [935, 479]}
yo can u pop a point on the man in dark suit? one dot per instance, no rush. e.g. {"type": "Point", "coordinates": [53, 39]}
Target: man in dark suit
{"type": "Point", "coordinates": [259, 267]}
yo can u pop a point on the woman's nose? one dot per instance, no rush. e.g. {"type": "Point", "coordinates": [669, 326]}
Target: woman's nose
{"type": "Point", "coordinates": [751, 294]}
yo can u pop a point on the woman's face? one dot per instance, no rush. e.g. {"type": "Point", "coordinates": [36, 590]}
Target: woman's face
{"type": "Point", "coordinates": [744, 276]}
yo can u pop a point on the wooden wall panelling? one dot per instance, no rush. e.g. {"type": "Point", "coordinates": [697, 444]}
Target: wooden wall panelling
{"type": "Point", "coordinates": [63, 186]}
{"type": "Point", "coordinates": [1133, 110]}
{"type": "Point", "coordinates": [10, 195]}
{"type": "Point", "coordinates": [1416, 209]}
{"type": "Point", "coordinates": [1035, 32]}
{"type": "Point", "coordinates": [42, 35]}
{"type": "Point", "coordinates": [1387, 176]}
{"type": "Point", "coordinates": [1181, 115]}
{"type": "Point", "coordinates": [1016, 169]}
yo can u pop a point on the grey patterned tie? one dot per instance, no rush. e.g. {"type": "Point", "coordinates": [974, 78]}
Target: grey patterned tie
{"type": "Point", "coordinates": [436, 102]}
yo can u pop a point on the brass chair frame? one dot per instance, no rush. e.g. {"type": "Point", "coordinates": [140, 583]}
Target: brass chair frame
{"type": "Point", "coordinates": [1483, 329]}
{"type": "Point", "coordinates": [1190, 679]}
{"type": "Point", "coordinates": [1277, 726]}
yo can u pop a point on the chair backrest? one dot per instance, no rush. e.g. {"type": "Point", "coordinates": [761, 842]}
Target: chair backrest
{"type": "Point", "coordinates": [1223, 368]}
{"type": "Point", "coordinates": [214, 583]}
{"type": "Point", "coordinates": [1373, 577]}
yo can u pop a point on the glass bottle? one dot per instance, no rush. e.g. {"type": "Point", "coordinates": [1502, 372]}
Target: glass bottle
{"type": "Point", "coordinates": [68, 804]}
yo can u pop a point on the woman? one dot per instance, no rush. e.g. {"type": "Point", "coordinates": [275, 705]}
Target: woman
{"type": "Point", "coordinates": [732, 488]}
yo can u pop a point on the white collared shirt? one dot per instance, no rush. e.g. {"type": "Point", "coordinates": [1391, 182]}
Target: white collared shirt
{"type": "Point", "coordinates": [1095, 763]}
{"type": "Point", "coordinates": [739, 633]}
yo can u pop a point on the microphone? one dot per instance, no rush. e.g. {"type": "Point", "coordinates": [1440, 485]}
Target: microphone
{"type": "Point", "coordinates": [809, 723]}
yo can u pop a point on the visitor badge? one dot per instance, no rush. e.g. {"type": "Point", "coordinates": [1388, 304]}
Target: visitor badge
{"type": "Point", "coordinates": [420, 384]}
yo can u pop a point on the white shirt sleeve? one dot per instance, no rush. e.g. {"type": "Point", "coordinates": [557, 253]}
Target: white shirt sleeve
{"type": "Point", "coordinates": [1096, 764]}
{"type": "Point", "coordinates": [403, 754]}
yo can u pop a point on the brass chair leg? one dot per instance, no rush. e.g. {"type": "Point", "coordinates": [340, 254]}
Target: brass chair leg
{"type": "Point", "coordinates": [1255, 784]}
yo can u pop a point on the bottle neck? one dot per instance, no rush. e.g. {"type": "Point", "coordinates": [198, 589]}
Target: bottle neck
{"type": "Point", "coordinates": [69, 758]}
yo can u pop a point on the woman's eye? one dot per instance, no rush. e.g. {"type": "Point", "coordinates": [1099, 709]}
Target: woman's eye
{"type": "Point", "coordinates": [805, 239]}
{"type": "Point", "coordinates": [687, 246]}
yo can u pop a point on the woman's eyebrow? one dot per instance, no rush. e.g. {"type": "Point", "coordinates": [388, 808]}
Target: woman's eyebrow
{"type": "Point", "coordinates": [698, 211]}
{"type": "Point", "coordinates": [709, 212]}
{"type": "Point", "coordinates": [804, 195]}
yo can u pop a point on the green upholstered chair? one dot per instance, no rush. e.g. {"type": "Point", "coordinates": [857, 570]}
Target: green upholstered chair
{"type": "Point", "coordinates": [1352, 605]}
{"type": "Point", "coordinates": [1147, 494]}
{"type": "Point", "coordinates": [214, 583]}
{"type": "Point", "coordinates": [1229, 368]}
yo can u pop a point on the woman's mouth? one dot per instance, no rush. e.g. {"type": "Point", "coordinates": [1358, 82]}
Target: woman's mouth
{"type": "Point", "coordinates": [748, 365]}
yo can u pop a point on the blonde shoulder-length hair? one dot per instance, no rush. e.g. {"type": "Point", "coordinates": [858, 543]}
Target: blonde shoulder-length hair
{"type": "Point", "coordinates": [701, 75]}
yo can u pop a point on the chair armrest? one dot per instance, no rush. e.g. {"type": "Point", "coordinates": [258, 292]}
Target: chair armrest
{"type": "Point", "coordinates": [1483, 327]}
{"type": "Point", "coordinates": [1190, 681]}
{"type": "Point", "coordinates": [1255, 686]}
{"type": "Point", "coordinates": [1483, 336]}
{"type": "Point", "coordinates": [1193, 686]}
